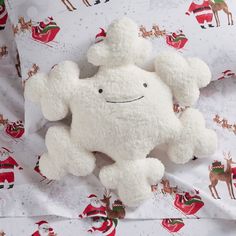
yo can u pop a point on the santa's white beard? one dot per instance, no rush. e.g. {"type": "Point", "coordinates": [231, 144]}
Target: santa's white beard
{"type": "Point", "coordinates": [3, 157]}
{"type": "Point", "coordinates": [96, 203]}
{"type": "Point", "coordinates": [97, 224]}
{"type": "Point", "coordinates": [43, 232]}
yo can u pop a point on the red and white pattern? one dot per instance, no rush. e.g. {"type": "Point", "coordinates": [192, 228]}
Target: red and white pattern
{"type": "Point", "coordinates": [201, 10]}
{"type": "Point", "coordinates": [7, 166]}
{"type": "Point", "coordinates": [94, 209]}
{"type": "Point", "coordinates": [106, 227]}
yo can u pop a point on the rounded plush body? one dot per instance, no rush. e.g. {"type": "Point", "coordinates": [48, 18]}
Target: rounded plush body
{"type": "Point", "coordinates": [124, 112]}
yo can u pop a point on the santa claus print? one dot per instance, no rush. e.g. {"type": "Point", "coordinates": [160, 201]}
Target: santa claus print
{"type": "Point", "coordinates": [7, 165]}
{"type": "Point", "coordinates": [202, 11]}
{"type": "Point", "coordinates": [227, 74]}
{"type": "Point", "coordinates": [3, 15]}
{"type": "Point", "coordinates": [94, 209]}
{"type": "Point", "coordinates": [36, 169]}
{"type": "Point", "coordinates": [104, 225]}
{"type": "Point", "coordinates": [100, 36]}
{"type": "Point", "coordinates": [44, 229]}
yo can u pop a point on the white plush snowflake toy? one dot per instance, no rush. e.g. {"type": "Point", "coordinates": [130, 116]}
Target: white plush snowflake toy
{"type": "Point", "coordinates": [124, 112]}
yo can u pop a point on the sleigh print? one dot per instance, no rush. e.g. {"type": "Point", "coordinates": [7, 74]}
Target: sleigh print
{"type": "Point", "coordinates": [176, 40]}
{"type": "Point", "coordinates": [173, 225]}
{"type": "Point", "coordinates": [187, 204]}
{"type": "Point", "coordinates": [45, 31]}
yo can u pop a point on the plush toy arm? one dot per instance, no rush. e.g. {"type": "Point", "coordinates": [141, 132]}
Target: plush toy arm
{"type": "Point", "coordinates": [64, 156]}
{"type": "Point", "coordinates": [183, 76]}
{"type": "Point", "coordinates": [109, 176]}
{"type": "Point", "coordinates": [55, 90]}
{"type": "Point", "coordinates": [194, 140]}
{"type": "Point", "coordinates": [155, 170]}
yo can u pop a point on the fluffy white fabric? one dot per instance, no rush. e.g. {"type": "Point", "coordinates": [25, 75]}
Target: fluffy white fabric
{"type": "Point", "coordinates": [124, 112]}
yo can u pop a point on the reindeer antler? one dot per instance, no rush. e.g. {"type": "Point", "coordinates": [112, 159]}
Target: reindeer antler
{"type": "Point", "coordinates": [227, 156]}
{"type": "Point", "coordinates": [107, 192]}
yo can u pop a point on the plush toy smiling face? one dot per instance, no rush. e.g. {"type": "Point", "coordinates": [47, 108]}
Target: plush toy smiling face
{"type": "Point", "coordinates": [125, 101]}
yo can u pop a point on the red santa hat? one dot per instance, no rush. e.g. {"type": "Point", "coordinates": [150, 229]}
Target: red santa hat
{"type": "Point", "coordinates": [41, 222]}
{"type": "Point", "coordinates": [100, 36]}
{"type": "Point", "coordinates": [91, 196]}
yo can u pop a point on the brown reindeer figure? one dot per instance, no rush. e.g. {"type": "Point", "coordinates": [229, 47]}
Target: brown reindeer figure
{"type": "Point", "coordinates": [34, 69]}
{"type": "Point", "coordinates": [225, 176]}
{"type": "Point", "coordinates": [87, 3]}
{"type": "Point", "coordinates": [69, 5]}
{"type": "Point", "coordinates": [217, 119]}
{"type": "Point", "coordinates": [144, 32]}
{"type": "Point", "coordinates": [3, 51]}
{"type": "Point", "coordinates": [225, 124]}
{"type": "Point", "coordinates": [2, 120]}
{"type": "Point", "coordinates": [24, 26]}
{"type": "Point", "coordinates": [118, 209]}
{"type": "Point", "coordinates": [2, 233]}
{"type": "Point", "coordinates": [158, 32]}
{"type": "Point", "coordinates": [167, 189]}
{"type": "Point", "coordinates": [177, 108]}
{"type": "Point", "coordinates": [218, 6]}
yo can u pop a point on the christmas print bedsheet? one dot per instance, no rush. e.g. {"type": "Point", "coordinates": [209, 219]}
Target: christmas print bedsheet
{"type": "Point", "coordinates": [192, 198]}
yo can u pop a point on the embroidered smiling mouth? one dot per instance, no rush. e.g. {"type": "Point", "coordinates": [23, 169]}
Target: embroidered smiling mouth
{"type": "Point", "coordinates": [133, 100]}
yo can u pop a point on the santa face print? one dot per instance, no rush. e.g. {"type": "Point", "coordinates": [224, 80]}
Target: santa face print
{"type": "Point", "coordinates": [45, 229]}
{"type": "Point", "coordinates": [3, 155]}
{"type": "Point", "coordinates": [98, 222]}
{"type": "Point", "coordinates": [96, 203]}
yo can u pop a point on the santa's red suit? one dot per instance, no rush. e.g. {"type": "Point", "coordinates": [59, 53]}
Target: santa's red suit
{"type": "Point", "coordinates": [91, 211]}
{"type": "Point", "coordinates": [36, 233]}
{"type": "Point", "coordinates": [43, 229]}
{"type": "Point", "coordinates": [202, 11]}
{"type": "Point", "coordinates": [94, 209]}
{"type": "Point", "coordinates": [7, 171]}
{"type": "Point", "coordinates": [108, 227]}
{"type": "Point", "coordinates": [43, 24]}
{"type": "Point", "coordinates": [3, 16]}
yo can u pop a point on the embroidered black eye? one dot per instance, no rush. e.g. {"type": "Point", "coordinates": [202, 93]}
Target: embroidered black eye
{"type": "Point", "coordinates": [100, 90]}
{"type": "Point", "coordinates": [145, 85]}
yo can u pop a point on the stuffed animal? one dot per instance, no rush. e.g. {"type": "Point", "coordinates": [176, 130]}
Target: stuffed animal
{"type": "Point", "coordinates": [124, 112]}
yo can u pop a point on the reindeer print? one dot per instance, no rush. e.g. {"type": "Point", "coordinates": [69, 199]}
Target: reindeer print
{"type": "Point", "coordinates": [22, 25]}
{"type": "Point", "coordinates": [224, 123]}
{"type": "Point", "coordinates": [178, 109]}
{"type": "Point", "coordinates": [154, 32]}
{"type": "Point", "coordinates": [217, 6]}
{"type": "Point", "coordinates": [167, 189]}
{"type": "Point", "coordinates": [217, 173]}
{"type": "Point", "coordinates": [2, 233]}
{"type": "Point", "coordinates": [3, 51]}
{"type": "Point", "coordinates": [69, 5]}
{"type": "Point", "coordinates": [34, 69]}
{"type": "Point", "coordinates": [2, 120]}
{"type": "Point", "coordinates": [118, 209]}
